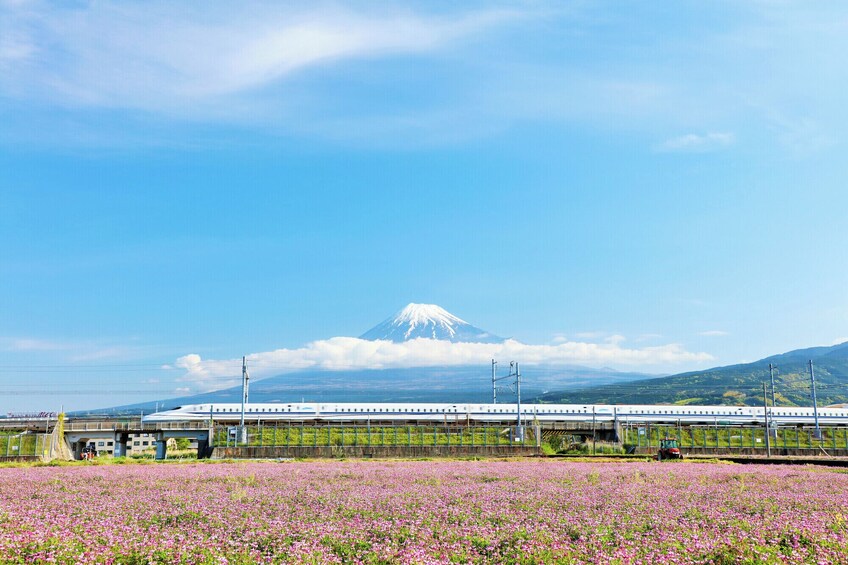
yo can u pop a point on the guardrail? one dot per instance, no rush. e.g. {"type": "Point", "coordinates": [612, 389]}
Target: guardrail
{"type": "Point", "coordinates": [133, 426]}
{"type": "Point", "coordinates": [20, 424]}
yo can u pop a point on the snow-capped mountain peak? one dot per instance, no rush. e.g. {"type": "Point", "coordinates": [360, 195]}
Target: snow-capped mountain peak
{"type": "Point", "coordinates": [428, 321]}
{"type": "Point", "coordinates": [416, 315]}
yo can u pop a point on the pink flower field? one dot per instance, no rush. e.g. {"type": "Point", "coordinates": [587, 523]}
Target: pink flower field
{"type": "Point", "coordinates": [533, 511]}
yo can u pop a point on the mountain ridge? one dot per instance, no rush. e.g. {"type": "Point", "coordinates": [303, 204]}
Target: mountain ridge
{"type": "Point", "coordinates": [738, 384]}
{"type": "Point", "coordinates": [464, 383]}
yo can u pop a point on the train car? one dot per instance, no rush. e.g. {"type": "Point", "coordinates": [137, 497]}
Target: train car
{"type": "Point", "coordinates": [435, 412]}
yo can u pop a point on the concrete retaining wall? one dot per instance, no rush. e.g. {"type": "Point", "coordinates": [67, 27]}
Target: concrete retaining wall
{"type": "Point", "coordinates": [20, 459]}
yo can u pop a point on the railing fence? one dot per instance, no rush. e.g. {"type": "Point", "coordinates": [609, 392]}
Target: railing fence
{"type": "Point", "coordinates": [735, 437]}
{"type": "Point", "coordinates": [13, 445]}
{"type": "Point", "coordinates": [288, 434]}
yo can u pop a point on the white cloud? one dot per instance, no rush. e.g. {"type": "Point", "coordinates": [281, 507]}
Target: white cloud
{"type": "Point", "coordinates": [696, 143]}
{"type": "Point", "coordinates": [840, 340]}
{"type": "Point", "coordinates": [284, 68]}
{"type": "Point", "coordinates": [340, 353]}
{"type": "Point", "coordinates": [174, 58]}
{"type": "Point", "coordinates": [615, 339]}
{"type": "Point", "coordinates": [714, 333]}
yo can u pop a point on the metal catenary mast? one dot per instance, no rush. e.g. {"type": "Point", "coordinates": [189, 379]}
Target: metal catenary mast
{"type": "Point", "coordinates": [245, 385]}
{"type": "Point", "coordinates": [815, 402]}
{"type": "Point", "coordinates": [515, 375]}
{"type": "Point", "coordinates": [494, 381]}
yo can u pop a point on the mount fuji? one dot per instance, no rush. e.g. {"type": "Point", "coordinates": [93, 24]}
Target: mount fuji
{"type": "Point", "coordinates": [428, 321]}
{"type": "Point", "coordinates": [450, 383]}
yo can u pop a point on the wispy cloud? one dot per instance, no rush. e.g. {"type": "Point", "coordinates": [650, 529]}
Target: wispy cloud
{"type": "Point", "coordinates": [108, 352]}
{"type": "Point", "coordinates": [80, 351]}
{"type": "Point", "coordinates": [696, 143]}
{"type": "Point", "coordinates": [591, 336]}
{"type": "Point", "coordinates": [341, 353]}
{"type": "Point", "coordinates": [32, 344]}
{"type": "Point", "coordinates": [714, 333]}
{"type": "Point", "coordinates": [647, 337]}
{"type": "Point", "coordinates": [587, 335]}
{"type": "Point", "coordinates": [316, 70]}
{"type": "Point", "coordinates": [103, 54]}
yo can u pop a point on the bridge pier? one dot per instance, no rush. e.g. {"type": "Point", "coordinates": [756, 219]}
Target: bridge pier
{"type": "Point", "coordinates": [121, 440]}
{"type": "Point", "coordinates": [204, 451]}
{"type": "Point", "coordinates": [161, 446]}
{"type": "Point", "coordinates": [76, 448]}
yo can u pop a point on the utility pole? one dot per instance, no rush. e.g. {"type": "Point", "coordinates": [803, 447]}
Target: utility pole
{"type": "Point", "coordinates": [514, 373]}
{"type": "Point", "coordinates": [815, 403]}
{"type": "Point", "coordinates": [494, 384]}
{"type": "Point", "coordinates": [771, 375]}
{"type": "Point", "coordinates": [766, 421]}
{"type": "Point", "coordinates": [520, 431]}
{"type": "Point", "coordinates": [245, 382]}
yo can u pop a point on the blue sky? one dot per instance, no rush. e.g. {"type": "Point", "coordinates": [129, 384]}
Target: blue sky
{"type": "Point", "coordinates": [182, 186]}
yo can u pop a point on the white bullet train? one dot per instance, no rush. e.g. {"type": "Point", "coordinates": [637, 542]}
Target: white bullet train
{"type": "Point", "coordinates": [403, 413]}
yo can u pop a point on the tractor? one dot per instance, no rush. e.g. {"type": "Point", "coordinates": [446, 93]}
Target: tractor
{"type": "Point", "coordinates": [669, 449]}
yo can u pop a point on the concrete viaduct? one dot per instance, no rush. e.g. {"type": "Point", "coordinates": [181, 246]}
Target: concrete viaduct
{"type": "Point", "coordinates": [79, 433]}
